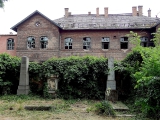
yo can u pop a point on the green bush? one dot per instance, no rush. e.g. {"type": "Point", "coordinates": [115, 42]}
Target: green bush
{"type": "Point", "coordinates": [9, 74]}
{"type": "Point", "coordinates": [79, 77]}
{"type": "Point", "coordinates": [104, 108]}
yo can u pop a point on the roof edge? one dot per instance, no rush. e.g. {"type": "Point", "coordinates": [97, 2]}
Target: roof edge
{"type": "Point", "coordinates": [35, 12]}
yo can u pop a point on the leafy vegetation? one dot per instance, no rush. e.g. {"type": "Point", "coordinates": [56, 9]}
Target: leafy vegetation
{"type": "Point", "coordinates": [104, 108]}
{"type": "Point", "coordinates": [79, 77]}
{"type": "Point", "coordinates": [9, 74]}
{"type": "Point", "coordinates": [142, 66]}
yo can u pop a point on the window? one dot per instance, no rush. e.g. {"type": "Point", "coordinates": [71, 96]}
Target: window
{"type": "Point", "coordinates": [10, 44]}
{"type": "Point", "coordinates": [105, 42]}
{"type": "Point", "coordinates": [44, 42]}
{"type": "Point", "coordinates": [144, 41]}
{"type": "Point", "coordinates": [68, 43]}
{"type": "Point", "coordinates": [31, 42]}
{"type": "Point", "coordinates": [86, 43]}
{"type": "Point", "coordinates": [124, 42]}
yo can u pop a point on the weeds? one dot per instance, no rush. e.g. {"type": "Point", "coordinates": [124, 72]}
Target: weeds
{"type": "Point", "coordinates": [104, 108]}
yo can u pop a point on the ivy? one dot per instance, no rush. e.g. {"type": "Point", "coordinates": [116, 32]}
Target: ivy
{"type": "Point", "coordinates": [79, 77]}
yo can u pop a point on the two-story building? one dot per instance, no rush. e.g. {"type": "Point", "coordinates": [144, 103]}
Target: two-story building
{"type": "Point", "coordinates": [41, 38]}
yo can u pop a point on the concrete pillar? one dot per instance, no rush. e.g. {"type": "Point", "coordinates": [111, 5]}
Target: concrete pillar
{"type": "Point", "coordinates": [111, 83]}
{"type": "Point", "coordinates": [23, 87]}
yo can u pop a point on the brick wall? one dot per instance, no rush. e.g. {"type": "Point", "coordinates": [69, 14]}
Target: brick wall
{"type": "Point", "coordinates": [56, 41]}
{"type": "Point", "coordinates": [29, 28]}
{"type": "Point", "coordinates": [96, 44]}
{"type": "Point", "coordinates": [3, 44]}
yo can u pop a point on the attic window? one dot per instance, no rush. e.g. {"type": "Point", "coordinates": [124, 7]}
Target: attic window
{"type": "Point", "coordinates": [124, 42]}
{"type": "Point", "coordinates": [37, 24]}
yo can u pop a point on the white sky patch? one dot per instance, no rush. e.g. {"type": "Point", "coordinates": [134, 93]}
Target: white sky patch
{"type": "Point", "coordinates": [17, 10]}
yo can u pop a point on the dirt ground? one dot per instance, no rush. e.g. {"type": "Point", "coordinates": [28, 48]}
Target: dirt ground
{"type": "Point", "coordinates": [77, 111]}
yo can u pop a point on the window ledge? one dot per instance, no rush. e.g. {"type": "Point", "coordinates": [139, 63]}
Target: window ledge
{"type": "Point", "coordinates": [124, 50]}
{"type": "Point", "coordinates": [86, 49]}
{"type": "Point", "coordinates": [105, 49]}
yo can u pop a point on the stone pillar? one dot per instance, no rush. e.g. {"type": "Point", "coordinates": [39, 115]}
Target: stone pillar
{"type": "Point", "coordinates": [23, 87]}
{"type": "Point", "coordinates": [52, 85]}
{"type": "Point", "coordinates": [111, 83]}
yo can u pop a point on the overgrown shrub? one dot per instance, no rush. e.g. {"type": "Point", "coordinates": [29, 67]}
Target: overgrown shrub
{"type": "Point", "coordinates": [79, 77]}
{"type": "Point", "coordinates": [9, 74]}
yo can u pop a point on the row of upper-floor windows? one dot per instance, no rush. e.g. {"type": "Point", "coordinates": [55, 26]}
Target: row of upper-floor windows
{"type": "Point", "coordinates": [105, 41]}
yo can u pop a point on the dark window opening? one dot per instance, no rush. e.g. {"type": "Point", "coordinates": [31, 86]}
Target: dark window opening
{"type": "Point", "coordinates": [44, 42]}
{"type": "Point", "coordinates": [144, 41]}
{"type": "Point", "coordinates": [114, 37]}
{"type": "Point", "coordinates": [86, 43]}
{"type": "Point", "coordinates": [31, 42]}
{"type": "Point", "coordinates": [10, 44]}
{"type": "Point", "coordinates": [68, 43]}
{"type": "Point", "coordinates": [124, 43]}
{"type": "Point", "coordinates": [105, 42]}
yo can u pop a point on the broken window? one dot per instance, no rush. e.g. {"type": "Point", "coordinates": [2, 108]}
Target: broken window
{"type": "Point", "coordinates": [144, 41]}
{"type": "Point", "coordinates": [44, 42]}
{"type": "Point", "coordinates": [10, 44]}
{"type": "Point", "coordinates": [68, 43]}
{"type": "Point", "coordinates": [105, 42]}
{"type": "Point", "coordinates": [31, 42]}
{"type": "Point", "coordinates": [124, 42]}
{"type": "Point", "coordinates": [86, 43]}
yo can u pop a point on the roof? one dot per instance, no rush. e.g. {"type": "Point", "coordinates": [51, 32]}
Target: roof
{"type": "Point", "coordinates": [25, 19]}
{"type": "Point", "coordinates": [113, 21]}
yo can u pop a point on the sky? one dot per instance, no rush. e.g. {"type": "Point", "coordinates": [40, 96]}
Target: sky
{"type": "Point", "coordinates": [16, 10]}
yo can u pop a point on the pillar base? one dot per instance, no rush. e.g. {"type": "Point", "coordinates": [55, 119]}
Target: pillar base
{"type": "Point", "coordinates": [113, 96]}
{"type": "Point", "coordinates": [23, 90]}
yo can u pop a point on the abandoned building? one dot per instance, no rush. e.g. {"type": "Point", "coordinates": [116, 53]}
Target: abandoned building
{"type": "Point", "coordinates": [41, 38]}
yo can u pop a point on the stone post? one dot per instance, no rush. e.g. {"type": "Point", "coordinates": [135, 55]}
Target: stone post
{"type": "Point", "coordinates": [23, 87]}
{"type": "Point", "coordinates": [111, 83]}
